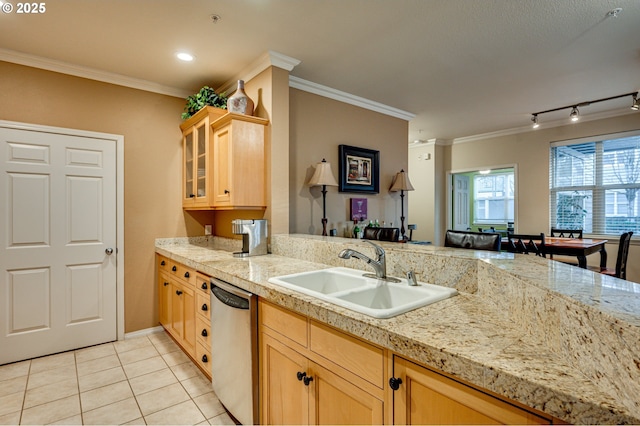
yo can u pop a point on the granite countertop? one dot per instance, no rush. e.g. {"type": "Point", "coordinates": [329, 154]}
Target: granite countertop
{"type": "Point", "coordinates": [554, 337]}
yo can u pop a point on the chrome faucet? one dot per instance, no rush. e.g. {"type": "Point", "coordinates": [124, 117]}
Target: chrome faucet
{"type": "Point", "coordinates": [379, 265]}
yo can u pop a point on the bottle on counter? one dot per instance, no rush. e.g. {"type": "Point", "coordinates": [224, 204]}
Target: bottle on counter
{"type": "Point", "coordinates": [356, 229]}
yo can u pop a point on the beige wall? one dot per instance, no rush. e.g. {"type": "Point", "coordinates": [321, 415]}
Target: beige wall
{"type": "Point", "coordinates": [530, 153]}
{"type": "Point", "coordinates": [152, 144]}
{"type": "Point", "coordinates": [317, 126]}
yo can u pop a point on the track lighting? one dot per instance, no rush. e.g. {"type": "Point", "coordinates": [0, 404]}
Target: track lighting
{"type": "Point", "coordinates": [575, 113]}
{"type": "Point", "coordinates": [535, 121]}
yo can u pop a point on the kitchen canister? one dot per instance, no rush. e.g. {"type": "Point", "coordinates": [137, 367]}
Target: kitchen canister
{"type": "Point", "coordinates": [239, 102]}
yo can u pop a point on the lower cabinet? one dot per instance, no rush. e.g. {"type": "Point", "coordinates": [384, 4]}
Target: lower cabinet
{"type": "Point", "coordinates": [299, 385]}
{"type": "Point", "coordinates": [426, 397]}
{"type": "Point", "coordinates": [311, 373]}
{"type": "Point", "coordinates": [183, 309]}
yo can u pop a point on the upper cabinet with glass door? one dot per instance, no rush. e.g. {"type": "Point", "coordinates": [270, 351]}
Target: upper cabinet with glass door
{"type": "Point", "coordinates": [196, 136]}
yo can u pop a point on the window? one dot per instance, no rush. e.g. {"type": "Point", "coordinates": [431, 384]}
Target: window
{"type": "Point", "coordinates": [493, 196]}
{"type": "Point", "coordinates": [595, 185]}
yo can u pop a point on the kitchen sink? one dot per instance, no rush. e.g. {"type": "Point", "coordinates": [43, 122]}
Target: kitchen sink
{"type": "Point", "coordinates": [350, 289]}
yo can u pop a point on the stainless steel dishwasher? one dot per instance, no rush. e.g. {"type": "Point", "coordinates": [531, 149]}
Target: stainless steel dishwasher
{"type": "Point", "coordinates": [234, 350]}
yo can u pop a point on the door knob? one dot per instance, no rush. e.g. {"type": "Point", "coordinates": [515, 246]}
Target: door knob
{"type": "Point", "coordinates": [109, 251]}
{"type": "Point", "coordinates": [395, 383]}
{"type": "Point", "coordinates": [307, 380]}
{"type": "Point", "coordinates": [300, 375]}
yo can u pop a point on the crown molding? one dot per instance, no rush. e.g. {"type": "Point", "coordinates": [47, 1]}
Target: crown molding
{"type": "Point", "coordinates": [266, 60]}
{"type": "Point", "coordinates": [544, 125]}
{"type": "Point", "coordinates": [328, 92]}
{"type": "Point", "coordinates": [430, 142]}
{"type": "Point", "coordinates": [90, 73]}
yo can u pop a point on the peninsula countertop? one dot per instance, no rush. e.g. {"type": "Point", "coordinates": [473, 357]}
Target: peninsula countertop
{"type": "Point", "coordinates": [554, 337]}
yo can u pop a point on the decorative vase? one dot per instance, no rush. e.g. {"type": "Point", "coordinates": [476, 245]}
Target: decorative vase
{"type": "Point", "coordinates": [239, 102]}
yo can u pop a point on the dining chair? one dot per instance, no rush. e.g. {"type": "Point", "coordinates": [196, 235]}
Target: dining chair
{"type": "Point", "coordinates": [381, 234]}
{"type": "Point", "coordinates": [473, 240]}
{"type": "Point", "coordinates": [621, 262]}
{"type": "Point", "coordinates": [526, 243]}
{"type": "Point", "coordinates": [565, 233]}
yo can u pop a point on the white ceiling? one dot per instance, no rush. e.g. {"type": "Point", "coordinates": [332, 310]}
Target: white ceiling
{"type": "Point", "coordinates": [463, 67]}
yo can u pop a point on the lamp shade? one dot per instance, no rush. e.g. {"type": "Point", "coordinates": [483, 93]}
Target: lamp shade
{"type": "Point", "coordinates": [401, 182]}
{"type": "Point", "coordinates": [323, 175]}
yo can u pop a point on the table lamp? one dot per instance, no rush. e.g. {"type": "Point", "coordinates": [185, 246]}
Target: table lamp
{"type": "Point", "coordinates": [323, 176]}
{"type": "Point", "coordinates": [401, 183]}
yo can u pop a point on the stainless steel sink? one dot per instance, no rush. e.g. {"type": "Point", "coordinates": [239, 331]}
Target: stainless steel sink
{"type": "Point", "coordinates": [350, 289]}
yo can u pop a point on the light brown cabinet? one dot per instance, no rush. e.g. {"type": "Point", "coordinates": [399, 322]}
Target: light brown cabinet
{"type": "Point", "coordinates": [239, 162]}
{"type": "Point", "coordinates": [203, 323]}
{"type": "Point", "coordinates": [183, 309]}
{"type": "Point", "coordinates": [427, 397]}
{"type": "Point", "coordinates": [304, 380]}
{"type": "Point", "coordinates": [223, 161]}
{"type": "Point", "coordinates": [196, 163]}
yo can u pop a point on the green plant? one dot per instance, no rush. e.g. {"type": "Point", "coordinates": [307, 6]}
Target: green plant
{"type": "Point", "coordinates": [205, 97]}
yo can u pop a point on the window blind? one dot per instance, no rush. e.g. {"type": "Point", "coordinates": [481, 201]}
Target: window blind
{"type": "Point", "coordinates": [595, 185]}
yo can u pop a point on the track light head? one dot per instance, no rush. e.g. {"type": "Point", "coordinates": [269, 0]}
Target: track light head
{"type": "Point", "coordinates": [575, 114]}
{"type": "Point", "coordinates": [635, 106]}
{"type": "Point", "coordinates": [535, 121]}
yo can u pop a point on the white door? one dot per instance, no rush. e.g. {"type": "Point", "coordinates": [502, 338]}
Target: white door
{"type": "Point", "coordinates": [58, 228]}
{"type": "Point", "coordinates": [461, 208]}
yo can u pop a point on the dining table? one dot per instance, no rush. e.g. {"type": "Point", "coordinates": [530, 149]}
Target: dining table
{"type": "Point", "coordinates": [578, 247]}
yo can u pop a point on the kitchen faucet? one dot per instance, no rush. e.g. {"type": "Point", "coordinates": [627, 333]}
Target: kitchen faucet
{"type": "Point", "coordinates": [379, 265]}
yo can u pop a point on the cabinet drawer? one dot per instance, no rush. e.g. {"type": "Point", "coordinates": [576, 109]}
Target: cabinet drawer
{"type": "Point", "coordinates": [362, 358]}
{"type": "Point", "coordinates": [183, 272]}
{"type": "Point", "coordinates": [203, 304]}
{"type": "Point", "coordinates": [163, 263]}
{"type": "Point", "coordinates": [203, 332]}
{"type": "Point", "coordinates": [203, 358]}
{"type": "Point", "coordinates": [282, 321]}
{"type": "Point", "coordinates": [202, 282]}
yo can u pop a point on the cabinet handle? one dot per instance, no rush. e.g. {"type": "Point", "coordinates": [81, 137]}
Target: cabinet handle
{"type": "Point", "coordinates": [174, 268]}
{"type": "Point", "coordinates": [166, 283]}
{"type": "Point", "coordinates": [204, 332]}
{"type": "Point", "coordinates": [395, 383]}
{"type": "Point", "coordinates": [204, 358]}
{"type": "Point", "coordinates": [162, 263]}
{"type": "Point", "coordinates": [186, 274]}
{"type": "Point", "coordinates": [226, 191]}
{"type": "Point", "coordinates": [204, 286]}
{"type": "Point", "coordinates": [307, 380]}
{"type": "Point", "coordinates": [205, 307]}
{"type": "Point", "coordinates": [192, 195]}
{"type": "Point", "coordinates": [300, 375]}
{"type": "Point", "coordinates": [178, 292]}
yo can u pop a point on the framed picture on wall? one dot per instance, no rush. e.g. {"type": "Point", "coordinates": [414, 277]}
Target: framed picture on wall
{"type": "Point", "coordinates": [359, 170]}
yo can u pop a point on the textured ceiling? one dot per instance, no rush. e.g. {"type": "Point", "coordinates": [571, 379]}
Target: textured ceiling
{"type": "Point", "coordinates": [463, 67]}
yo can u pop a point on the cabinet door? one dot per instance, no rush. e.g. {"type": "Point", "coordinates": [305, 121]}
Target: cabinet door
{"type": "Point", "coordinates": [183, 316]}
{"type": "Point", "coordinates": [201, 162]}
{"type": "Point", "coordinates": [284, 399]}
{"type": "Point", "coordinates": [337, 401]}
{"type": "Point", "coordinates": [222, 151]}
{"type": "Point", "coordinates": [176, 317]}
{"type": "Point", "coordinates": [164, 299]}
{"type": "Point", "coordinates": [189, 320]}
{"type": "Point", "coordinates": [188, 155]}
{"type": "Point", "coordinates": [425, 397]}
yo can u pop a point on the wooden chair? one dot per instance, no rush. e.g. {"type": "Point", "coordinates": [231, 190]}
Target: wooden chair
{"type": "Point", "coordinates": [473, 240]}
{"type": "Point", "coordinates": [621, 261]}
{"type": "Point", "coordinates": [565, 233]}
{"type": "Point", "coordinates": [381, 234]}
{"type": "Point", "coordinates": [526, 243]}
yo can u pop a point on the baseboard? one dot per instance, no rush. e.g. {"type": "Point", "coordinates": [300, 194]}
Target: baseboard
{"type": "Point", "coordinates": [145, 332]}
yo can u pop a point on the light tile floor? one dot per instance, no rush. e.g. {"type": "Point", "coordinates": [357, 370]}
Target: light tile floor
{"type": "Point", "coordinates": [144, 380]}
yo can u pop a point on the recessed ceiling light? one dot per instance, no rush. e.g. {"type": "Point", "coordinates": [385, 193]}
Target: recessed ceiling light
{"type": "Point", "coordinates": [184, 56]}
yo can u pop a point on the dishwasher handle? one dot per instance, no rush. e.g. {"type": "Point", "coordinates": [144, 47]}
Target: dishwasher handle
{"type": "Point", "coordinates": [230, 295]}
